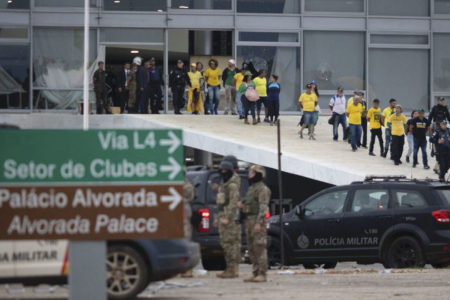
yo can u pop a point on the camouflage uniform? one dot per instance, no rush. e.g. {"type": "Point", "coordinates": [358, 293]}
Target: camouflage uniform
{"type": "Point", "coordinates": [256, 206]}
{"type": "Point", "coordinates": [230, 234]}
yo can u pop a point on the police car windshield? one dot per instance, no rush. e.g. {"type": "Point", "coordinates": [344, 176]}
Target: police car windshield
{"type": "Point", "coordinates": [445, 195]}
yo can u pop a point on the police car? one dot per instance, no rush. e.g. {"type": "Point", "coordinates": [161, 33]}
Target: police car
{"type": "Point", "coordinates": [131, 265]}
{"type": "Point", "coordinates": [399, 222]}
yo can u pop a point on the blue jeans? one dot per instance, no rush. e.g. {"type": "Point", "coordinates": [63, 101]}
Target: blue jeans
{"type": "Point", "coordinates": [239, 104]}
{"type": "Point", "coordinates": [387, 141]}
{"type": "Point", "coordinates": [422, 144]}
{"type": "Point", "coordinates": [248, 106]}
{"type": "Point", "coordinates": [214, 98]}
{"type": "Point", "coordinates": [355, 131]}
{"type": "Point", "coordinates": [340, 119]}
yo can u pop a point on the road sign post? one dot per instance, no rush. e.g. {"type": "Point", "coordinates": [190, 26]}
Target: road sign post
{"type": "Point", "coordinates": [92, 185]}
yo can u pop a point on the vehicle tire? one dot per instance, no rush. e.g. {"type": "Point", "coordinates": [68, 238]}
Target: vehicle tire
{"type": "Point", "coordinates": [274, 253]}
{"type": "Point", "coordinates": [127, 272]}
{"type": "Point", "coordinates": [214, 263]}
{"type": "Point", "coordinates": [441, 266]}
{"type": "Point", "coordinates": [404, 252]}
{"type": "Point", "coordinates": [328, 265]}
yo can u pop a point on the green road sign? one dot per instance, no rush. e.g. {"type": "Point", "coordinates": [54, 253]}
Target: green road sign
{"type": "Point", "coordinates": [94, 156]}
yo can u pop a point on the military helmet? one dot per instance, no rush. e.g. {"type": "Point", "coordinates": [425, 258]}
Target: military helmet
{"type": "Point", "coordinates": [259, 169]}
{"type": "Point", "coordinates": [233, 160]}
{"type": "Point", "coordinates": [226, 165]}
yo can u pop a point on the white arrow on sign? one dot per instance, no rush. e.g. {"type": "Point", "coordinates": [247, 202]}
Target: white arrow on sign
{"type": "Point", "coordinates": [174, 199]}
{"type": "Point", "coordinates": [174, 168]}
{"type": "Point", "coordinates": [173, 141]}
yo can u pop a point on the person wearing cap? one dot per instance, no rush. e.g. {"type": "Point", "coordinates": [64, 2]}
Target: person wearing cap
{"type": "Point", "coordinates": [307, 102]}
{"type": "Point", "coordinates": [99, 81]}
{"type": "Point", "coordinates": [338, 106]}
{"type": "Point", "coordinates": [441, 140]}
{"type": "Point", "coordinates": [155, 91]}
{"type": "Point", "coordinates": [409, 134]}
{"type": "Point", "coordinates": [398, 122]}
{"type": "Point", "coordinates": [360, 95]}
{"type": "Point", "coordinates": [438, 113]}
{"type": "Point", "coordinates": [178, 80]}
{"type": "Point", "coordinates": [255, 209]}
{"type": "Point", "coordinates": [230, 90]}
{"type": "Point", "coordinates": [213, 75]}
{"type": "Point", "coordinates": [387, 113]}
{"type": "Point", "coordinates": [354, 112]}
{"type": "Point", "coordinates": [237, 81]}
{"type": "Point", "coordinates": [419, 129]}
{"type": "Point", "coordinates": [227, 219]}
{"type": "Point", "coordinates": [374, 118]}
{"type": "Point", "coordinates": [195, 103]}
{"type": "Point", "coordinates": [261, 87]}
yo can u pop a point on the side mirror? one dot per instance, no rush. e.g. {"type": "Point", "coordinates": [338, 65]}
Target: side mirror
{"type": "Point", "coordinates": [300, 211]}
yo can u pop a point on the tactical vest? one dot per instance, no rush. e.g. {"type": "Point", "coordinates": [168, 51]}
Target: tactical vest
{"type": "Point", "coordinates": [251, 199]}
{"type": "Point", "coordinates": [223, 197]}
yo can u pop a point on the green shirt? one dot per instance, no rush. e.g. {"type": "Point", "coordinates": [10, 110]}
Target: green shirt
{"type": "Point", "coordinates": [243, 88]}
{"type": "Point", "coordinates": [230, 75]}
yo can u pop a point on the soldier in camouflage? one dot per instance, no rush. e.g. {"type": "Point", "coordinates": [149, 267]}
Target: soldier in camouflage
{"type": "Point", "coordinates": [188, 199]}
{"type": "Point", "coordinates": [255, 208]}
{"type": "Point", "coordinates": [228, 199]}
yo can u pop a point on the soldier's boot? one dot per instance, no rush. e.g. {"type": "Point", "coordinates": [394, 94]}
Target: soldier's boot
{"type": "Point", "coordinates": [260, 278]}
{"type": "Point", "coordinates": [250, 278]}
{"type": "Point", "coordinates": [224, 273]}
{"type": "Point", "coordinates": [233, 272]}
{"type": "Point", "coordinates": [246, 121]}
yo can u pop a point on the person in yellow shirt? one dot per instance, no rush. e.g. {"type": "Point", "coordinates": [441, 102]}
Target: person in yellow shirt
{"type": "Point", "coordinates": [307, 102]}
{"type": "Point", "coordinates": [360, 94]}
{"type": "Point", "coordinates": [354, 112]}
{"type": "Point", "coordinates": [374, 118]}
{"type": "Point", "coordinates": [237, 81]}
{"type": "Point", "coordinates": [195, 103]}
{"type": "Point", "coordinates": [261, 87]}
{"type": "Point", "coordinates": [213, 75]}
{"type": "Point", "coordinates": [387, 112]}
{"type": "Point", "coordinates": [398, 122]}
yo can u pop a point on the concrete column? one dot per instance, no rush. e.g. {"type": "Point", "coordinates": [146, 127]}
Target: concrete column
{"type": "Point", "coordinates": [202, 157]}
{"type": "Point", "coordinates": [203, 42]}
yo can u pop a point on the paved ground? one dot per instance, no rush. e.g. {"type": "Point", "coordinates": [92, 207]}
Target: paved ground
{"type": "Point", "coordinates": [348, 281]}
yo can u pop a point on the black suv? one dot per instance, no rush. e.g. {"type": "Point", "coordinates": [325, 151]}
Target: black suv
{"type": "Point", "coordinates": [398, 222]}
{"type": "Point", "coordinates": [205, 212]}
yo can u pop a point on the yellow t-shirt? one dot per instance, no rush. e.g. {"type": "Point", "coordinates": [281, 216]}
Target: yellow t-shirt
{"type": "Point", "coordinates": [261, 86]}
{"type": "Point", "coordinates": [374, 114]}
{"type": "Point", "coordinates": [397, 124]}
{"type": "Point", "coordinates": [213, 76]}
{"type": "Point", "coordinates": [308, 101]}
{"type": "Point", "coordinates": [387, 113]}
{"type": "Point", "coordinates": [195, 79]}
{"type": "Point", "coordinates": [354, 114]}
{"type": "Point", "coordinates": [239, 77]}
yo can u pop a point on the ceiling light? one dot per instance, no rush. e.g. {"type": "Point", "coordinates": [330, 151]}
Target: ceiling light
{"type": "Point", "coordinates": [117, 1]}
{"type": "Point", "coordinates": [183, 6]}
{"type": "Point", "coordinates": [159, 10]}
{"type": "Point", "coordinates": [134, 51]}
{"type": "Point", "coordinates": [9, 1]}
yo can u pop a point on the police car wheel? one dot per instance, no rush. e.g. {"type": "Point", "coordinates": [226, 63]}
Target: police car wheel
{"type": "Point", "coordinates": [127, 272]}
{"type": "Point", "coordinates": [405, 252]}
{"type": "Point", "coordinates": [274, 252]}
{"type": "Point", "coordinates": [216, 263]}
{"type": "Point", "coordinates": [329, 265]}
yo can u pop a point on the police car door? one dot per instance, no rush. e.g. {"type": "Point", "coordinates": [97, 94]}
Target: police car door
{"type": "Point", "coordinates": [315, 232]}
{"type": "Point", "coordinates": [37, 258]}
{"type": "Point", "coordinates": [367, 218]}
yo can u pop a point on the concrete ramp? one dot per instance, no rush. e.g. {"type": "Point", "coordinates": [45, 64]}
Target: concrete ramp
{"type": "Point", "coordinates": [323, 160]}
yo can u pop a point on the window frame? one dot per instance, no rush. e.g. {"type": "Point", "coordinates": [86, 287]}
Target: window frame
{"type": "Point", "coordinates": [372, 188]}
{"type": "Point", "coordinates": [395, 190]}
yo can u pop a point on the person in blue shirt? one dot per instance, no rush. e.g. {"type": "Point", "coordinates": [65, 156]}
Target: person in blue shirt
{"type": "Point", "coordinates": [273, 99]}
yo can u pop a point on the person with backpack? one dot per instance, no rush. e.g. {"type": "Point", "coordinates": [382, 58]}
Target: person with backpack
{"type": "Point", "coordinates": [338, 108]}
{"type": "Point", "coordinates": [249, 97]}
{"type": "Point", "coordinates": [441, 139]}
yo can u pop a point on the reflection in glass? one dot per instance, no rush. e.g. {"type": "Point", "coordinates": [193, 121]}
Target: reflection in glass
{"type": "Point", "coordinates": [269, 6]}
{"type": "Point", "coordinates": [135, 5]}
{"type": "Point", "coordinates": [58, 64]}
{"type": "Point", "coordinates": [398, 39]}
{"type": "Point", "coordinates": [401, 74]}
{"type": "Point", "coordinates": [15, 4]}
{"type": "Point", "coordinates": [441, 6]}
{"type": "Point", "coordinates": [441, 64]}
{"type": "Point", "coordinates": [282, 61]}
{"type": "Point", "coordinates": [399, 7]}
{"type": "Point", "coordinates": [268, 37]}
{"type": "Point", "coordinates": [14, 76]}
{"type": "Point", "coordinates": [334, 59]}
{"type": "Point", "coordinates": [202, 4]}
{"type": "Point", "coordinates": [63, 3]}
{"type": "Point", "coordinates": [335, 5]}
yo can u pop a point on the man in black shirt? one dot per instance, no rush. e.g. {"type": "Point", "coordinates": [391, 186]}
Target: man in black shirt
{"type": "Point", "coordinates": [439, 113]}
{"type": "Point", "coordinates": [419, 129]}
{"type": "Point", "coordinates": [178, 80]}
{"type": "Point", "coordinates": [99, 80]}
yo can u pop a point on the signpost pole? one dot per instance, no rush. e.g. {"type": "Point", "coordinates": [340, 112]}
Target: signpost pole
{"type": "Point", "coordinates": [85, 67]}
{"type": "Point", "coordinates": [280, 194]}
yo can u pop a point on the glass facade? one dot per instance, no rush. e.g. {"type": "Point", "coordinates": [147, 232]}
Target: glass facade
{"type": "Point", "coordinates": [387, 48]}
